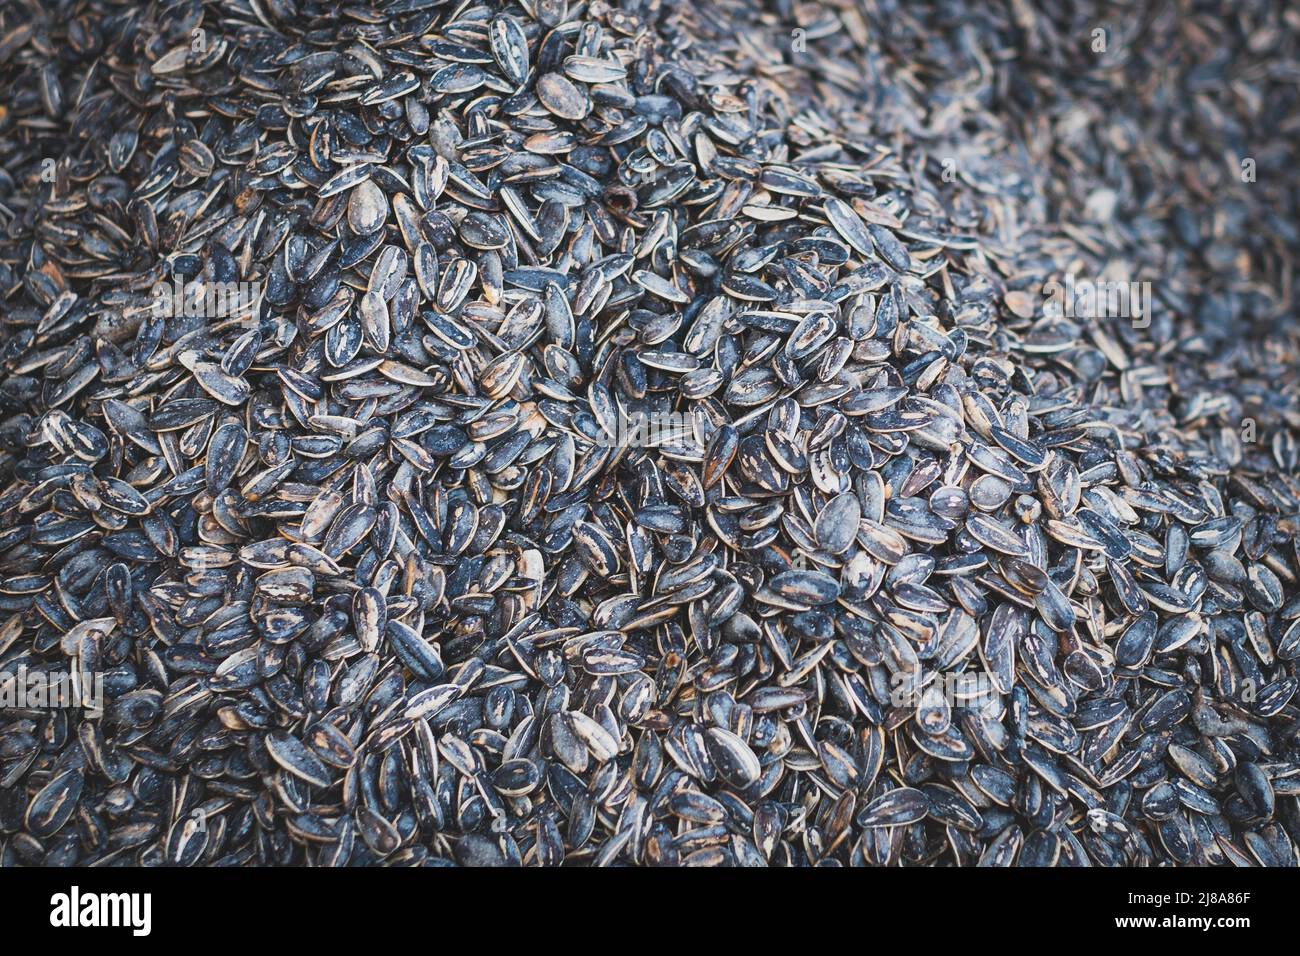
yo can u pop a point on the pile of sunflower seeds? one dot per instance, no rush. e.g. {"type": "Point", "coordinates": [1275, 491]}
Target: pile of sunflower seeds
{"type": "Point", "coordinates": [330, 333]}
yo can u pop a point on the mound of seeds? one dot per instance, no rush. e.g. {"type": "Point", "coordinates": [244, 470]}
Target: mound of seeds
{"type": "Point", "coordinates": [390, 561]}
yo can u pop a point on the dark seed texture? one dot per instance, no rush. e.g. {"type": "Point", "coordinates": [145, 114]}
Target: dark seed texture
{"type": "Point", "coordinates": [649, 437]}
